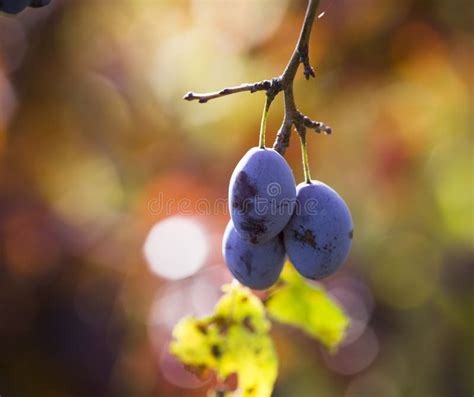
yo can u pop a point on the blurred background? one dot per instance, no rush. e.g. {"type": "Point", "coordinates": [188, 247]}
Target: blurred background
{"type": "Point", "coordinates": [113, 189]}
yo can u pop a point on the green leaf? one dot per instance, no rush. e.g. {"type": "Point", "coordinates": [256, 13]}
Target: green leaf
{"type": "Point", "coordinates": [233, 340]}
{"type": "Point", "coordinates": [293, 301]}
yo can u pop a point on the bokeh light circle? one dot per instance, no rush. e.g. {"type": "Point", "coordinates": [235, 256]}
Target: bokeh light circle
{"type": "Point", "coordinates": [176, 248]}
{"type": "Point", "coordinates": [355, 357]}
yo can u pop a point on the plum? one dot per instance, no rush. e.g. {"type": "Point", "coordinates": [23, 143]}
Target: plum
{"type": "Point", "coordinates": [16, 6]}
{"type": "Point", "coordinates": [318, 237]}
{"type": "Point", "coordinates": [13, 6]}
{"type": "Point", "coordinates": [262, 195]}
{"type": "Point", "coordinates": [256, 266]}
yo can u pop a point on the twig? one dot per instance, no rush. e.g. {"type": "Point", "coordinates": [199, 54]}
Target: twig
{"type": "Point", "coordinates": [253, 87]}
{"type": "Point", "coordinates": [284, 83]}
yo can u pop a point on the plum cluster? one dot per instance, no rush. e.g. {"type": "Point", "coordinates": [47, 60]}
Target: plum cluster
{"type": "Point", "coordinates": [16, 6]}
{"type": "Point", "coordinates": [272, 218]}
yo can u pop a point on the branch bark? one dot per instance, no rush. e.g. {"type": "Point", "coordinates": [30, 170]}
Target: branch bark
{"type": "Point", "coordinates": [284, 82]}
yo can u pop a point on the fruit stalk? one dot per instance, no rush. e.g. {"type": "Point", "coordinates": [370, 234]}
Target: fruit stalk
{"type": "Point", "coordinates": [304, 155]}
{"type": "Point", "coordinates": [263, 122]}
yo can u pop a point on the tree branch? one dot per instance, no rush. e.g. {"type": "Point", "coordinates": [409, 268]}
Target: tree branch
{"type": "Point", "coordinates": [284, 83]}
{"type": "Point", "coordinates": [252, 87]}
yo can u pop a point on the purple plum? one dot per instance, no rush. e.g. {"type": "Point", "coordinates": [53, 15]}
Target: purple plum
{"type": "Point", "coordinates": [318, 237]}
{"type": "Point", "coordinates": [262, 195]}
{"type": "Point", "coordinates": [256, 266]}
{"type": "Point", "coordinates": [13, 6]}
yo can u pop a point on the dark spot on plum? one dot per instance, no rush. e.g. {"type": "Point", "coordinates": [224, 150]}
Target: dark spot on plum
{"type": "Point", "coordinates": [244, 192]}
{"type": "Point", "coordinates": [244, 299]}
{"type": "Point", "coordinates": [329, 247]}
{"type": "Point", "coordinates": [305, 236]}
{"type": "Point", "coordinates": [246, 258]}
{"type": "Point", "coordinates": [216, 351]}
{"type": "Point", "coordinates": [254, 227]}
{"type": "Point", "coordinates": [351, 234]}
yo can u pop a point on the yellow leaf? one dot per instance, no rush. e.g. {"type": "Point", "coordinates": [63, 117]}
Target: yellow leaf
{"type": "Point", "coordinates": [233, 340]}
{"type": "Point", "coordinates": [293, 301]}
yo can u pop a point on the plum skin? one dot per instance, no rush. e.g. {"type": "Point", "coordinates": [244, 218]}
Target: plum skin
{"type": "Point", "coordinates": [255, 266]}
{"type": "Point", "coordinates": [13, 6]}
{"type": "Point", "coordinates": [318, 237]}
{"type": "Point", "coordinates": [262, 195]}
{"type": "Point", "coordinates": [16, 6]}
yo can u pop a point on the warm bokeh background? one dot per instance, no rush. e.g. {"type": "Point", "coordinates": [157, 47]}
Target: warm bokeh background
{"type": "Point", "coordinates": [95, 141]}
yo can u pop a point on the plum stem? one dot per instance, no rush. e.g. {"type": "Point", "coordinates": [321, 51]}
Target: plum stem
{"type": "Point", "coordinates": [304, 155]}
{"type": "Point", "coordinates": [284, 83]}
{"type": "Point", "coordinates": [263, 122]}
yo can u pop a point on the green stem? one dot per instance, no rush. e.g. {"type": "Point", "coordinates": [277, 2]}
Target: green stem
{"type": "Point", "coordinates": [263, 123]}
{"type": "Point", "coordinates": [304, 154]}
